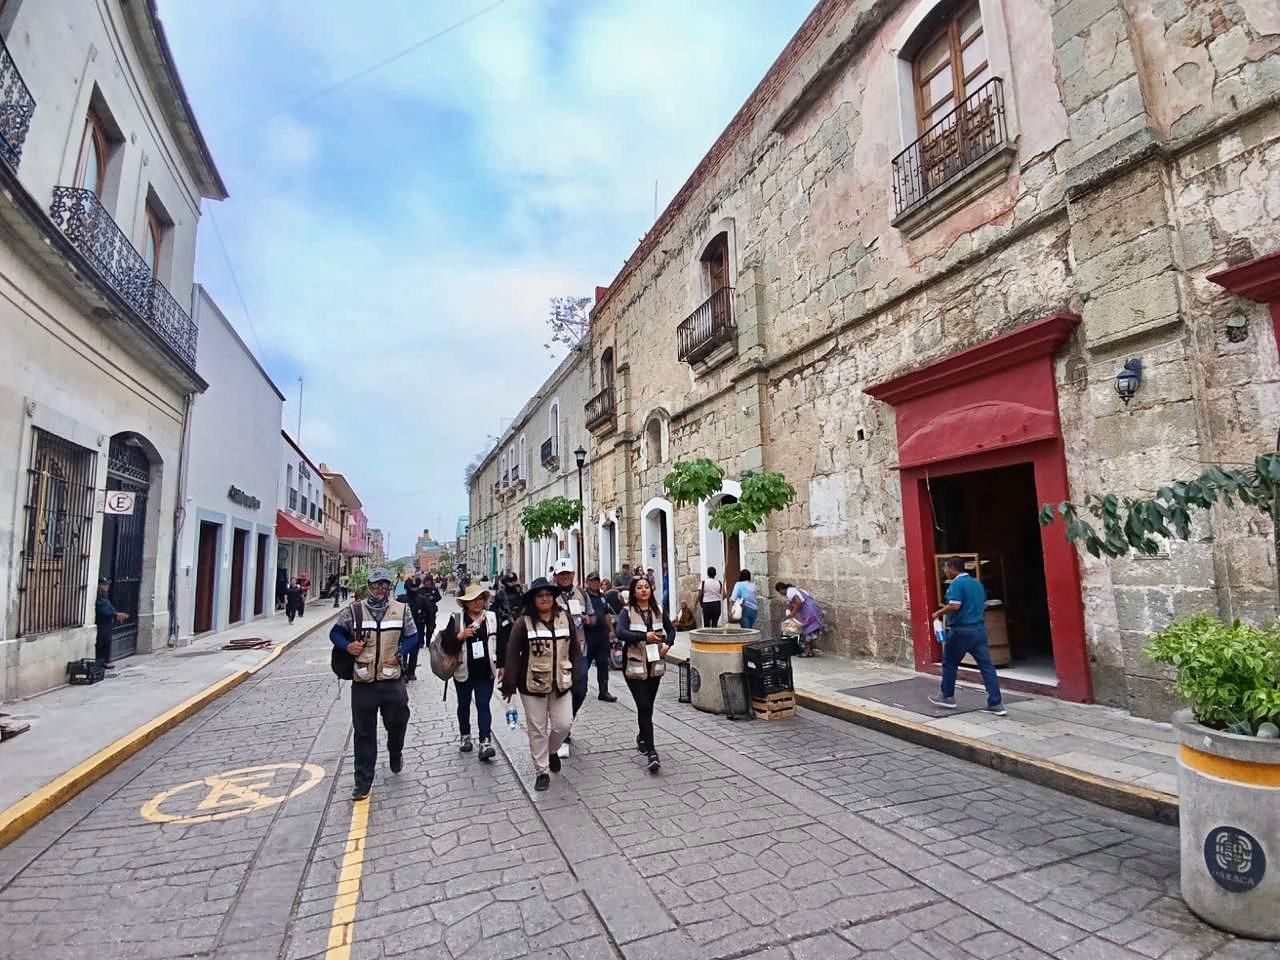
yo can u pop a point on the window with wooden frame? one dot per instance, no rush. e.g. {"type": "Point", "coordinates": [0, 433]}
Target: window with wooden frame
{"type": "Point", "coordinates": [95, 150]}
{"type": "Point", "coordinates": [155, 237]}
{"type": "Point", "coordinates": [951, 67]}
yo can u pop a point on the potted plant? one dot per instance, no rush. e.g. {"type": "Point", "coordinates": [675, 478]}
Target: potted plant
{"type": "Point", "coordinates": [1228, 769]}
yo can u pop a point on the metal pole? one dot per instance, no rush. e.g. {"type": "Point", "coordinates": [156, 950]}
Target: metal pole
{"type": "Point", "coordinates": [582, 533]}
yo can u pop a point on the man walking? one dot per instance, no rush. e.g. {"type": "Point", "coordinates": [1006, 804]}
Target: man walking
{"type": "Point", "coordinates": [105, 618]}
{"type": "Point", "coordinates": [418, 597]}
{"type": "Point", "coordinates": [378, 633]}
{"type": "Point", "coordinates": [573, 600]}
{"type": "Point", "coordinates": [965, 607]}
{"type": "Point", "coordinates": [598, 637]}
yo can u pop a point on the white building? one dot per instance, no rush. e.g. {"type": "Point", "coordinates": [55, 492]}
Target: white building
{"type": "Point", "coordinates": [227, 551]}
{"type": "Point", "coordinates": [299, 519]}
{"type": "Point", "coordinates": [102, 172]}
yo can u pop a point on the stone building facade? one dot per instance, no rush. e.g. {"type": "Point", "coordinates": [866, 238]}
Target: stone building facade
{"type": "Point", "coordinates": [533, 461]}
{"type": "Point", "coordinates": [102, 172]}
{"type": "Point", "coordinates": [907, 274]}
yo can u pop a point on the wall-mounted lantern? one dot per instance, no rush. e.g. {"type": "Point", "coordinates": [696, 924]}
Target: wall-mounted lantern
{"type": "Point", "coordinates": [1128, 380]}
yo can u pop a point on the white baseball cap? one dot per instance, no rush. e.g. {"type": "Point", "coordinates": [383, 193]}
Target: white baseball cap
{"type": "Point", "coordinates": [564, 565]}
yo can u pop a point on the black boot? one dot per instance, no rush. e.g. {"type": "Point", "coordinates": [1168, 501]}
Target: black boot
{"type": "Point", "coordinates": [608, 697]}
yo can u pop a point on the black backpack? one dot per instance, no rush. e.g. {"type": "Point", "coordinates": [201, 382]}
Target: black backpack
{"type": "Point", "coordinates": [342, 663]}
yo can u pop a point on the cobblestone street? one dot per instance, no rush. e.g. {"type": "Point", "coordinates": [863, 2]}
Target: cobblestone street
{"type": "Point", "coordinates": [806, 838]}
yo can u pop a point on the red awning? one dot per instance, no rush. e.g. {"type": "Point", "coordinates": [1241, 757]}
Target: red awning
{"type": "Point", "coordinates": [287, 528]}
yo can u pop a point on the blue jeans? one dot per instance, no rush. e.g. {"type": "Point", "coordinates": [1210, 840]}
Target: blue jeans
{"type": "Point", "coordinates": [482, 691]}
{"type": "Point", "coordinates": [749, 615]}
{"type": "Point", "coordinates": [963, 640]}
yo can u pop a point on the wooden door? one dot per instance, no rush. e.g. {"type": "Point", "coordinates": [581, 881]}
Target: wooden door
{"type": "Point", "coordinates": [260, 574]}
{"type": "Point", "coordinates": [239, 543]}
{"type": "Point", "coordinates": [206, 568]}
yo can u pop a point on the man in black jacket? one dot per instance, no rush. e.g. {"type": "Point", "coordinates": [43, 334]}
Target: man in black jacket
{"type": "Point", "coordinates": [421, 601]}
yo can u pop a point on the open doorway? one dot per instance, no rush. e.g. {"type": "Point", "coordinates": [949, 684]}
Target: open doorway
{"type": "Point", "coordinates": [988, 517]}
{"type": "Point", "coordinates": [658, 548]}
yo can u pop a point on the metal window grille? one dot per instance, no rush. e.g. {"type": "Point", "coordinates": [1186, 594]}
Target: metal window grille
{"type": "Point", "coordinates": [54, 566]}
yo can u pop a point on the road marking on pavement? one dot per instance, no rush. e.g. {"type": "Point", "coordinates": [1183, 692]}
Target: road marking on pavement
{"type": "Point", "coordinates": [232, 793]}
{"type": "Point", "coordinates": [343, 922]}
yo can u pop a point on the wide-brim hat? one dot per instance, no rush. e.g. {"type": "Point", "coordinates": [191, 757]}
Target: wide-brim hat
{"type": "Point", "coordinates": [540, 585]}
{"type": "Point", "coordinates": [473, 592]}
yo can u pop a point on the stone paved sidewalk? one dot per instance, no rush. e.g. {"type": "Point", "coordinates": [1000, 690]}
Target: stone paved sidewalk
{"type": "Point", "coordinates": [1101, 741]}
{"type": "Point", "coordinates": [71, 724]}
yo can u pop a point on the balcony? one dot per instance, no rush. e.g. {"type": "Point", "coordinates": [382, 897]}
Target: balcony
{"type": "Point", "coordinates": [708, 329]}
{"type": "Point", "coordinates": [601, 410]}
{"type": "Point", "coordinates": [517, 481]}
{"type": "Point", "coordinates": [86, 223]}
{"type": "Point", "coordinates": [949, 161]}
{"type": "Point", "coordinates": [17, 106]}
{"type": "Point", "coordinates": [551, 453]}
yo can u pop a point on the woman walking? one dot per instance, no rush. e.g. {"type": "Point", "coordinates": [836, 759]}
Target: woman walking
{"type": "Point", "coordinates": [472, 637]}
{"type": "Point", "coordinates": [541, 662]}
{"type": "Point", "coordinates": [744, 592]}
{"type": "Point", "coordinates": [294, 603]}
{"type": "Point", "coordinates": [711, 597]}
{"type": "Point", "coordinates": [647, 634]}
{"type": "Point", "coordinates": [802, 607]}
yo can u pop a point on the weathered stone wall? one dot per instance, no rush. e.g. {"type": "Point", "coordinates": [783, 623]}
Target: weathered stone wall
{"type": "Point", "coordinates": [1143, 162]}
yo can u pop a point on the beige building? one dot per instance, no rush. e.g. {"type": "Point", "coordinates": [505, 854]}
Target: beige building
{"type": "Point", "coordinates": [907, 275]}
{"type": "Point", "coordinates": [102, 172]}
{"type": "Point", "coordinates": [533, 461]}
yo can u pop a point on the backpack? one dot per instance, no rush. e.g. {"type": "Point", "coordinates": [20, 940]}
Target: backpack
{"type": "Point", "coordinates": [342, 663]}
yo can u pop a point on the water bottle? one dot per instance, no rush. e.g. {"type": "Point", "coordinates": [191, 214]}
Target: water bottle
{"type": "Point", "coordinates": [512, 718]}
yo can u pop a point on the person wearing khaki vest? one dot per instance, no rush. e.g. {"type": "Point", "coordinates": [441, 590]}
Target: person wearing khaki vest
{"type": "Point", "coordinates": [542, 662]}
{"type": "Point", "coordinates": [647, 634]}
{"type": "Point", "coordinates": [378, 633]}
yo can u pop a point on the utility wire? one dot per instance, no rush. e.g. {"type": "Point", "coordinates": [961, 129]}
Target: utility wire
{"type": "Point", "coordinates": [236, 283]}
{"type": "Point", "coordinates": [400, 55]}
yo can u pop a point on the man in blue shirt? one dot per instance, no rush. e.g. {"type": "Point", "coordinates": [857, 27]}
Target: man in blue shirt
{"type": "Point", "coordinates": [105, 619]}
{"type": "Point", "coordinates": [965, 609]}
{"type": "Point", "coordinates": [378, 632]}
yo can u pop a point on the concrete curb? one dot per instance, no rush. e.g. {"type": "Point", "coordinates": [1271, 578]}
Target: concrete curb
{"type": "Point", "coordinates": [1127, 798]}
{"type": "Point", "coordinates": [35, 806]}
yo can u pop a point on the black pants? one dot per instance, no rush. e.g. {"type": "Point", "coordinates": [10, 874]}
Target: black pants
{"type": "Point", "coordinates": [711, 614]}
{"type": "Point", "coordinates": [391, 697]}
{"type": "Point", "coordinates": [411, 661]}
{"type": "Point", "coordinates": [597, 653]}
{"type": "Point", "coordinates": [102, 644]}
{"type": "Point", "coordinates": [645, 693]}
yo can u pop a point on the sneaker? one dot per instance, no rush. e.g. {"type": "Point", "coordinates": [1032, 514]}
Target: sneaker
{"type": "Point", "coordinates": [941, 701]}
{"type": "Point", "coordinates": [360, 793]}
{"type": "Point", "coordinates": [108, 666]}
{"type": "Point", "coordinates": [563, 752]}
{"type": "Point", "coordinates": [641, 746]}
{"type": "Point", "coordinates": [608, 697]}
{"type": "Point", "coordinates": [555, 762]}
{"type": "Point", "coordinates": [409, 677]}
{"type": "Point", "coordinates": [542, 782]}
{"type": "Point", "coordinates": [465, 746]}
{"type": "Point", "coordinates": [654, 762]}
{"type": "Point", "coordinates": [397, 762]}
{"type": "Point", "coordinates": [997, 711]}
{"type": "Point", "coordinates": [486, 750]}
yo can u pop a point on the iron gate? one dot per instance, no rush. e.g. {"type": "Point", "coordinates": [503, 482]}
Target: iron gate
{"type": "Point", "coordinates": [123, 538]}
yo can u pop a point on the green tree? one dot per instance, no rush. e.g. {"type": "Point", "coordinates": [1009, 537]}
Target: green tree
{"type": "Point", "coordinates": [693, 481]}
{"type": "Point", "coordinates": [542, 519]}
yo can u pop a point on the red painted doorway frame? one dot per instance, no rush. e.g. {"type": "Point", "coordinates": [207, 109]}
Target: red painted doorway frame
{"type": "Point", "coordinates": [992, 405]}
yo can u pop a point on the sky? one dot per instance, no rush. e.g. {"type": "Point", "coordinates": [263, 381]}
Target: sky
{"type": "Point", "coordinates": [394, 241]}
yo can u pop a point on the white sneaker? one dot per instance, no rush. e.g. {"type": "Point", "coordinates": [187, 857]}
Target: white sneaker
{"type": "Point", "coordinates": [563, 752]}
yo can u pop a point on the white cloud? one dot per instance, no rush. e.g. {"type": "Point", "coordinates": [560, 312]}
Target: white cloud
{"type": "Point", "coordinates": [398, 238]}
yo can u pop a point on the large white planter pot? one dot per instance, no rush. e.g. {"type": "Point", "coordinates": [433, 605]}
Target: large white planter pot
{"type": "Point", "coordinates": [714, 651]}
{"type": "Point", "coordinates": [1229, 820]}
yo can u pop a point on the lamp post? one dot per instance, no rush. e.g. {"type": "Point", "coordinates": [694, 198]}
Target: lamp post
{"type": "Point", "coordinates": [337, 587]}
{"type": "Point", "coordinates": [581, 456]}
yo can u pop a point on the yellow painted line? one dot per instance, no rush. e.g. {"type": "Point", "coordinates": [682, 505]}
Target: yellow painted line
{"type": "Point", "coordinates": [1225, 768]}
{"type": "Point", "coordinates": [35, 806]}
{"type": "Point", "coordinates": [342, 923]}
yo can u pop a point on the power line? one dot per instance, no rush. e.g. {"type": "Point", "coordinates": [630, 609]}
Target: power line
{"type": "Point", "coordinates": [399, 55]}
{"type": "Point", "coordinates": [226, 257]}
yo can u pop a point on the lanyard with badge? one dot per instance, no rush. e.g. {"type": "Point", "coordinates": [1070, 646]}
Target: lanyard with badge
{"type": "Point", "coordinates": [477, 645]}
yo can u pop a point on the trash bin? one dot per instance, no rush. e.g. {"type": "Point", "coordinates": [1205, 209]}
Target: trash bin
{"type": "Point", "coordinates": [714, 651]}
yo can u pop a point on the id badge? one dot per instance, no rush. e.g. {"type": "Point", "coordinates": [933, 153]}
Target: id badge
{"type": "Point", "coordinates": [651, 652]}
{"type": "Point", "coordinates": [477, 649]}
{"type": "Point", "coordinates": [575, 607]}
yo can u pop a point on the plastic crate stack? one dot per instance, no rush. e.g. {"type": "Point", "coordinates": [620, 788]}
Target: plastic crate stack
{"type": "Point", "coordinates": [767, 665]}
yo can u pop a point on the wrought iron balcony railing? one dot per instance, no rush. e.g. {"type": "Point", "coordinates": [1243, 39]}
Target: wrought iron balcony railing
{"type": "Point", "coordinates": [88, 225]}
{"type": "Point", "coordinates": [966, 135]}
{"type": "Point", "coordinates": [515, 473]}
{"type": "Point", "coordinates": [17, 106]}
{"type": "Point", "coordinates": [707, 328]}
{"type": "Point", "coordinates": [550, 452]}
{"type": "Point", "coordinates": [600, 409]}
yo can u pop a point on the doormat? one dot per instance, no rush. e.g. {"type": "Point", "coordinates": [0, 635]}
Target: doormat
{"type": "Point", "coordinates": [913, 694]}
